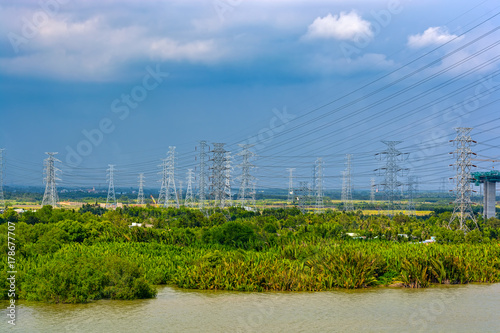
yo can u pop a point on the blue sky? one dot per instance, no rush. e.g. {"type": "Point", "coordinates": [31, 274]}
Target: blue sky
{"type": "Point", "coordinates": [105, 82]}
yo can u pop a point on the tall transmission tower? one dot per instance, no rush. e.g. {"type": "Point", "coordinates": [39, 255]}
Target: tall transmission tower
{"type": "Point", "coordinates": [189, 202]}
{"type": "Point", "coordinates": [347, 185]}
{"type": "Point", "coordinates": [391, 171]}
{"type": "Point", "coordinates": [291, 194]}
{"type": "Point", "coordinates": [411, 192]}
{"type": "Point", "coordinates": [164, 180]}
{"type": "Point", "coordinates": [140, 195]}
{"type": "Point", "coordinates": [219, 175]}
{"type": "Point", "coordinates": [245, 193]}
{"type": "Point", "coordinates": [318, 177]}
{"type": "Point", "coordinates": [303, 195]}
{"type": "Point", "coordinates": [171, 192]}
{"type": "Point", "coordinates": [50, 196]}
{"type": "Point", "coordinates": [227, 187]}
{"type": "Point", "coordinates": [202, 187]}
{"type": "Point", "coordinates": [372, 190]}
{"type": "Point", "coordinates": [2, 198]}
{"type": "Point", "coordinates": [111, 199]}
{"type": "Point", "coordinates": [463, 190]}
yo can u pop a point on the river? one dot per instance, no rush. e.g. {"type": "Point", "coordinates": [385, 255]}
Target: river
{"type": "Point", "coordinates": [467, 308]}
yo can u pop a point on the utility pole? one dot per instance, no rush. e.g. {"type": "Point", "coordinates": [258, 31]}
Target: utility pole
{"type": "Point", "coordinates": [171, 193]}
{"type": "Point", "coordinates": [111, 199]}
{"type": "Point", "coordinates": [189, 202]}
{"type": "Point", "coordinates": [347, 186]}
{"type": "Point", "coordinates": [318, 177]}
{"type": "Point", "coordinates": [463, 190]}
{"type": "Point", "coordinates": [291, 194]}
{"type": "Point", "coordinates": [391, 171]}
{"type": "Point", "coordinates": [2, 198]}
{"type": "Point", "coordinates": [219, 175]}
{"type": "Point", "coordinates": [140, 196]}
{"type": "Point", "coordinates": [50, 196]}
{"type": "Point", "coordinates": [202, 187]}
{"type": "Point", "coordinates": [245, 192]}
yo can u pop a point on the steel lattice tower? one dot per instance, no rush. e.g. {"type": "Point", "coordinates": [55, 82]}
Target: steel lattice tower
{"type": "Point", "coordinates": [171, 192]}
{"type": "Point", "coordinates": [291, 194]}
{"type": "Point", "coordinates": [50, 196]}
{"type": "Point", "coordinates": [372, 190]}
{"type": "Point", "coordinates": [318, 177]}
{"type": "Point", "coordinates": [2, 198]}
{"type": "Point", "coordinates": [219, 175]}
{"type": "Point", "coordinates": [463, 190]}
{"type": "Point", "coordinates": [202, 187]}
{"type": "Point", "coordinates": [180, 192]}
{"type": "Point", "coordinates": [411, 191]}
{"type": "Point", "coordinates": [347, 185]}
{"type": "Point", "coordinates": [227, 187]}
{"type": "Point", "coordinates": [164, 178]}
{"type": "Point", "coordinates": [391, 171]}
{"type": "Point", "coordinates": [140, 195]}
{"type": "Point", "coordinates": [111, 199]}
{"type": "Point", "coordinates": [247, 180]}
{"type": "Point", "coordinates": [189, 202]}
{"type": "Point", "coordinates": [303, 195]}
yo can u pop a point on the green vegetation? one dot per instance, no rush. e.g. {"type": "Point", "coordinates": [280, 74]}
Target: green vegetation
{"type": "Point", "coordinates": [78, 256]}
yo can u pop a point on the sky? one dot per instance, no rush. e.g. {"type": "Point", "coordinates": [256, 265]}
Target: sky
{"type": "Point", "coordinates": [119, 82]}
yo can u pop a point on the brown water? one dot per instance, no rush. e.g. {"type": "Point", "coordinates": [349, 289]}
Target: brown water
{"type": "Point", "coordinates": [470, 308]}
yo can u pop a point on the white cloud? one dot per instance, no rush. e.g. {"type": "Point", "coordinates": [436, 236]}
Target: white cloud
{"type": "Point", "coordinates": [431, 36]}
{"type": "Point", "coordinates": [345, 26]}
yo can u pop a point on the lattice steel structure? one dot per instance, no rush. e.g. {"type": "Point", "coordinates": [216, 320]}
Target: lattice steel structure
{"type": "Point", "coordinates": [246, 195]}
{"type": "Point", "coordinates": [372, 190]}
{"type": "Point", "coordinates": [164, 180]}
{"type": "Point", "coordinates": [2, 198]}
{"type": "Point", "coordinates": [219, 175]}
{"type": "Point", "coordinates": [291, 193]}
{"type": "Point", "coordinates": [171, 192]}
{"type": "Point", "coordinates": [391, 171]}
{"type": "Point", "coordinates": [189, 201]}
{"type": "Point", "coordinates": [318, 178]}
{"type": "Point", "coordinates": [111, 199]}
{"type": "Point", "coordinates": [462, 211]}
{"type": "Point", "coordinates": [179, 194]}
{"type": "Point", "coordinates": [347, 185]}
{"type": "Point", "coordinates": [140, 195]}
{"type": "Point", "coordinates": [202, 185]}
{"type": "Point", "coordinates": [227, 188]}
{"type": "Point", "coordinates": [50, 195]}
{"type": "Point", "coordinates": [303, 195]}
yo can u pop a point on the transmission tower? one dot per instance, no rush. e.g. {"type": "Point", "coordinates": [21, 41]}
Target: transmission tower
{"type": "Point", "coordinates": [411, 192]}
{"type": "Point", "coordinates": [372, 190]}
{"type": "Point", "coordinates": [318, 177]}
{"type": "Point", "coordinates": [189, 202]}
{"type": "Point", "coordinates": [247, 180]}
{"type": "Point", "coordinates": [50, 196]}
{"type": "Point", "coordinates": [140, 195]}
{"type": "Point", "coordinates": [180, 191]}
{"type": "Point", "coordinates": [463, 190]}
{"type": "Point", "coordinates": [164, 180]}
{"type": "Point", "coordinates": [227, 187]}
{"type": "Point", "coordinates": [347, 185]}
{"type": "Point", "coordinates": [171, 192]}
{"type": "Point", "coordinates": [291, 194]}
{"type": "Point", "coordinates": [219, 175]}
{"type": "Point", "coordinates": [2, 198]}
{"type": "Point", "coordinates": [391, 170]}
{"type": "Point", "coordinates": [303, 195]}
{"type": "Point", "coordinates": [202, 187]}
{"type": "Point", "coordinates": [111, 199]}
